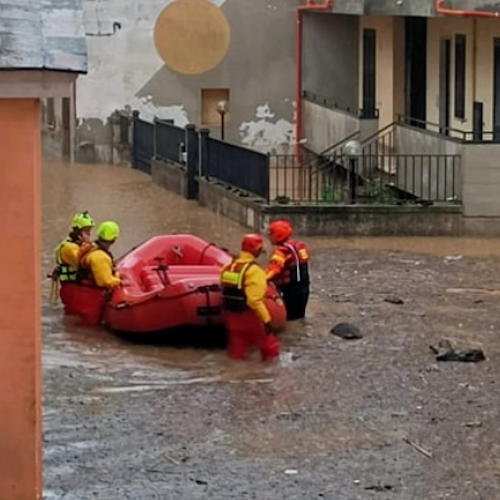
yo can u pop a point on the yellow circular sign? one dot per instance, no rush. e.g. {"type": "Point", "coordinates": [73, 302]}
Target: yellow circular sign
{"type": "Point", "coordinates": [192, 36]}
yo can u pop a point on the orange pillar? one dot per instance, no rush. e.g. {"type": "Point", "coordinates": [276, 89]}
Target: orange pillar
{"type": "Point", "coordinates": [20, 308]}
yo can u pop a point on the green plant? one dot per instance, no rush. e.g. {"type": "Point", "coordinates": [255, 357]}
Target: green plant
{"type": "Point", "coordinates": [330, 194]}
{"type": "Point", "coordinates": [282, 199]}
{"type": "Point", "coordinates": [382, 193]}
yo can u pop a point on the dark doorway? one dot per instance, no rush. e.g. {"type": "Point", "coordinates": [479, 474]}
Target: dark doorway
{"type": "Point", "coordinates": [369, 73]}
{"type": "Point", "coordinates": [66, 127]}
{"type": "Point", "coordinates": [496, 90]}
{"type": "Point", "coordinates": [416, 70]}
{"type": "Point", "coordinates": [444, 85]}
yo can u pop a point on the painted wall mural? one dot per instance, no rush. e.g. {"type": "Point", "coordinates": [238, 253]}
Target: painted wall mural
{"type": "Point", "coordinates": [162, 57]}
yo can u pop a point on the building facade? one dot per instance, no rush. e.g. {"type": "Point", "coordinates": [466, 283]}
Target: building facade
{"type": "Point", "coordinates": [176, 60]}
{"type": "Point", "coordinates": [410, 78]}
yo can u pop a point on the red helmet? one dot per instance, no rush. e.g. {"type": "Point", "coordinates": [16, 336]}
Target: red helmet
{"type": "Point", "coordinates": [252, 243]}
{"type": "Point", "coordinates": [281, 230]}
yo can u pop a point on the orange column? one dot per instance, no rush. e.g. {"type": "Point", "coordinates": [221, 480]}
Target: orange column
{"type": "Point", "coordinates": [20, 314]}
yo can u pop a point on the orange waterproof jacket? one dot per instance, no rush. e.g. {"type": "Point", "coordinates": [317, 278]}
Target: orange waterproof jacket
{"type": "Point", "coordinates": [289, 264]}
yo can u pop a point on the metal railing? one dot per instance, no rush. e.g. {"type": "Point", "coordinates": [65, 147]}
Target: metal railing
{"type": "Point", "coordinates": [371, 179]}
{"type": "Point", "coordinates": [143, 144]}
{"type": "Point", "coordinates": [170, 141]}
{"type": "Point", "coordinates": [332, 103]}
{"type": "Point", "coordinates": [450, 133]}
{"type": "Point", "coordinates": [243, 168]}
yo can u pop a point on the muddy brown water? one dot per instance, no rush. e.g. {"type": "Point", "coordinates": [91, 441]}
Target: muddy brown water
{"type": "Point", "coordinates": [123, 420]}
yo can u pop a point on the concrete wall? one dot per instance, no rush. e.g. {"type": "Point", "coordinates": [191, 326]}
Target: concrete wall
{"type": "Point", "coordinates": [436, 177]}
{"type": "Point", "coordinates": [479, 68]}
{"type": "Point", "coordinates": [170, 176]}
{"type": "Point", "coordinates": [324, 127]}
{"type": "Point", "coordinates": [481, 180]}
{"type": "Point", "coordinates": [330, 53]}
{"type": "Point", "coordinates": [390, 59]}
{"type": "Point", "coordinates": [158, 55]}
{"type": "Point", "coordinates": [335, 221]}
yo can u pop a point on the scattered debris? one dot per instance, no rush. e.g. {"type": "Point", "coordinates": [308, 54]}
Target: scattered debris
{"type": "Point", "coordinates": [173, 460]}
{"type": "Point", "coordinates": [473, 290]}
{"type": "Point", "coordinates": [417, 447]}
{"type": "Point", "coordinates": [394, 299]}
{"type": "Point", "coordinates": [452, 258]}
{"type": "Point", "coordinates": [380, 487]}
{"type": "Point", "coordinates": [346, 331]}
{"type": "Point", "coordinates": [475, 423]}
{"type": "Point", "coordinates": [445, 352]}
{"type": "Point", "coordinates": [291, 472]}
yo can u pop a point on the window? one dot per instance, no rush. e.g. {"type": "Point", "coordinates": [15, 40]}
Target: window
{"type": "Point", "coordinates": [460, 74]}
{"type": "Point", "coordinates": [50, 112]}
{"type": "Point", "coordinates": [209, 100]}
{"type": "Point", "coordinates": [369, 72]}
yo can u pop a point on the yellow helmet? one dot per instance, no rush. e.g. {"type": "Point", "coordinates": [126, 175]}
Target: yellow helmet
{"type": "Point", "coordinates": [108, 231]}
{"type": "Point", "coordinates": [82, 220]}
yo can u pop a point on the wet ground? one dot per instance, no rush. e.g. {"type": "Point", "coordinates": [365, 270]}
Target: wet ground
{"type": "Point", "coordinates": [335, 419]}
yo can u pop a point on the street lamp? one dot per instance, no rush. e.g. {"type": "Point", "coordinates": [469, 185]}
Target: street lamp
{"type": "Point", "coordinates": [222, 109]}
{"type": "Point", "coordinates": [352, 150]}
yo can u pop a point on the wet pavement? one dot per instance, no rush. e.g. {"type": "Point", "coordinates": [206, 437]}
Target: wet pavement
{"type": "Point", "coordinates": [335, 419]}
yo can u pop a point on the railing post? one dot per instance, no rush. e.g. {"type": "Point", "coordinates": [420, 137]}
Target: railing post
{"type": "Point", "coordinates": [155, 137]}
{"type": "Point", "coordinates": [268, 178]}
{"type": "Point", "coordinates": [203, 152]}
{"type": "Point", "coordinates": [191, 162]}
{"type": "Point", "coordinates": [135, 118]}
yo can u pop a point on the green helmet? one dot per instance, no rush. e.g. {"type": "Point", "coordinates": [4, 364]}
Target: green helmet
{"type": "Point", "coordinates": [82, 220]}
{"type": "Point", "coordinates": [108, 231]}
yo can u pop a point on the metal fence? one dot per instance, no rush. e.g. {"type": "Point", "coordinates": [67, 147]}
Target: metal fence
{"type": "Point", "coordinates": [143, 148]}
{"type": "Point", "coordinates": [170, 141]}
{"type": "Point", "coordinates": [201, 155]}
{"type": "Point", "coordinates": [240, 167]}
{"type": "Point", "coordinates": [393, 179]}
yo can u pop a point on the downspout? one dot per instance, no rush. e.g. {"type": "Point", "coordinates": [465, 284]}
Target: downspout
{"type": "Point", "coordinates": [309, 6]}
{"type": "Point", "coordinates": [441, 9]}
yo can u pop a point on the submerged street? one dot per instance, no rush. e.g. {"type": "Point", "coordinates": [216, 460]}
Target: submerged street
{"type": "Point", "coordinates": [375, 418]}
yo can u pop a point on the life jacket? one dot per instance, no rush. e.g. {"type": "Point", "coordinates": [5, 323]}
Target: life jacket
{"type": "Point", "coordinates": [296, 269]}
{"type": "Point", "coordinates": [65, 272]}
{"type": "Point", "coordinates": [232, 282]}
{"type": "Point", "coordinates": [84, 275]}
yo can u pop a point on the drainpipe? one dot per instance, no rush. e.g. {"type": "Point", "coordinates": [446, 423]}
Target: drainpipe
{"type": "Point", "coordinates": [309, 6]}
{"type": "Point", "coordinates": [441, 9]}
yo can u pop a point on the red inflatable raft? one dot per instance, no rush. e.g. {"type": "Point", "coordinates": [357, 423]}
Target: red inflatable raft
{"type": "Point", "coordinates": [172, 281]}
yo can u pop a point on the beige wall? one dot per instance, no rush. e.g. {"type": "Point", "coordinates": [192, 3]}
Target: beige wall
{"type": "Point", "coordinates": [390, 61]}
{"type": "Point", "coordinates": [479, 67]}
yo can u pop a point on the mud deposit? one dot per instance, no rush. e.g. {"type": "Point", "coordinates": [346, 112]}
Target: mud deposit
{"type": "Point", "coordinates": [331, 421]}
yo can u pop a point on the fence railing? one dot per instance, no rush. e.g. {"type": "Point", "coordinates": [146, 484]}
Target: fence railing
{"type": "Point", "coordinates": [378, 178]}
{"type": "Point", "coordinates": [143, 144]}
{"type": "Point", "coordinates": [201, 155]}
{"type": "Point", "coordinates": [236, 166]}
{"type": "Point", "coordinates": [170, 141]}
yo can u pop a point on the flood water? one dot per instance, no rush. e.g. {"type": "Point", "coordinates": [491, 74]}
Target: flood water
{"type": "Point", "coordinates": [144, 210]}
{"type": "Point", "coordinates": [134, 421]}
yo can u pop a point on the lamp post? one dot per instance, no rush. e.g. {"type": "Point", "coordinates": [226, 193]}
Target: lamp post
{"type": "Point", "coordinates": [352, 150]}
{"type": "Point", "coordinates": [222, 109]}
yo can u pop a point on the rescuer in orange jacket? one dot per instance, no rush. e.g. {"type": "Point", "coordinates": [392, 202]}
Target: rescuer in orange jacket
{"type": "Point", "coordinates": [67, 256]}
{"type": "Point", "coordinates": [247, 318]}
{"type": "Point", "coordinates": [288, 268]}
{"type": "Point", "coordinates": [97, 274]}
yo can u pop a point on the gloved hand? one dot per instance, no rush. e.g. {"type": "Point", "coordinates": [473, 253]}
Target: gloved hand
{"type": "Point", "coordinates": [269, 328]}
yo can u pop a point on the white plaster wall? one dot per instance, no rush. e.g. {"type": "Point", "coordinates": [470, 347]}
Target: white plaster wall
{"type": "Point", "coordinates": [121, 65]}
